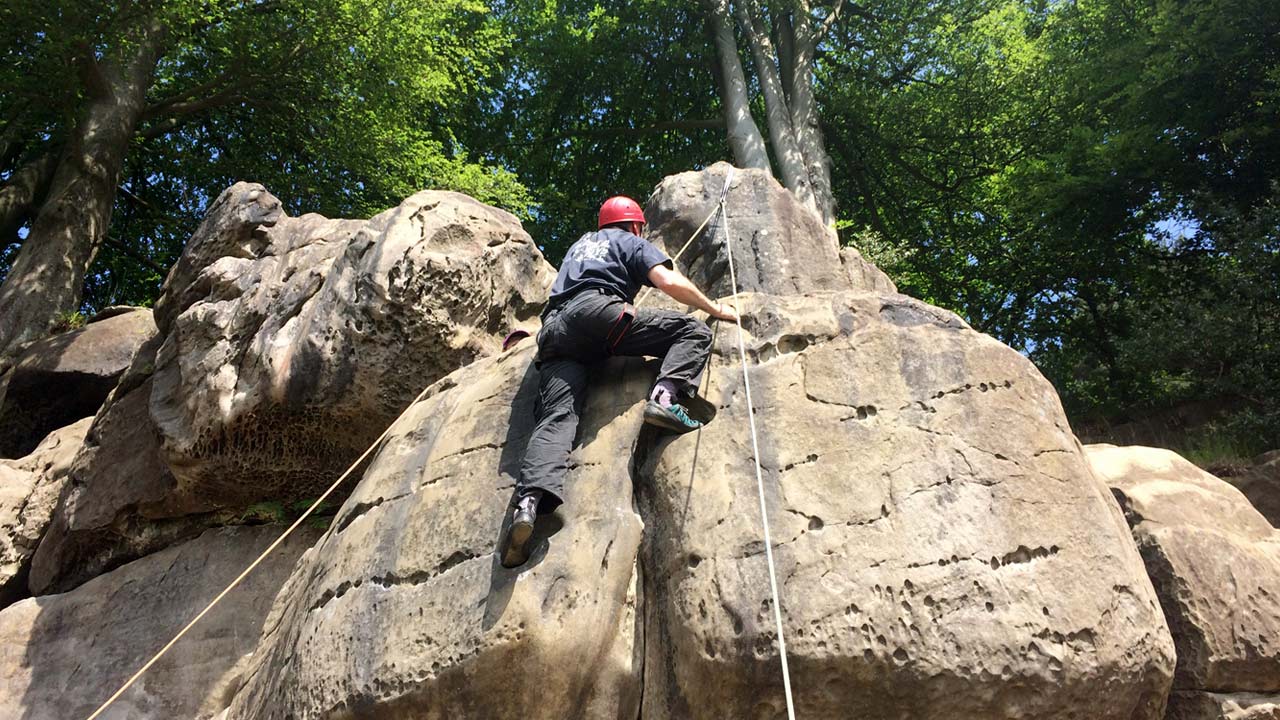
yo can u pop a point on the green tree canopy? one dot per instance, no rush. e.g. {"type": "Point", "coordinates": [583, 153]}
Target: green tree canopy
{"type": "Point", "coordinates": [339, 106]}
{"type": "Point", "coordinates": [1093, 182]}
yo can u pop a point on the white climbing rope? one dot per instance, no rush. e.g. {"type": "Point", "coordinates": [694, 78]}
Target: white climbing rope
{"type": "Point", "coordinates": [755, 449]}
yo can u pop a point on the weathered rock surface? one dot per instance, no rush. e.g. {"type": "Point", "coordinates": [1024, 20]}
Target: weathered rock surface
{"type": "Point", "coordinates": [780, 247]}
{"type": "Point", "coordinates": [1261, 485]}
{"type": "Point", "coordinates": [1191, 705]}
{"type": "Point", "coordinates": [61, 379]}
{"type": "Point", "coordinates": [291, 342]}
{"type": "Point", "coordinates": [120, 503]}
{"type": "Point", "coordinates": [1214, 561]}
{"type": "Point", "coordinates": [286, 345]}
{"type": "Point", "coordinates": [863, 275]}
{"type": "Point", "coordinates": [944, 550]}
{"type": "Point", "coordinates": [63, 655]}
{"type": "Point", "coordinates": [29, 490]}
{"type": "Point", "coordinates": [402, 610]}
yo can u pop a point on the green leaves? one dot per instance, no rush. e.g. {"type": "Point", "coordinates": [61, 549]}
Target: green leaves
{"type": "Point", "coordinates": [342, 107]}
{"type": "Point", "coordinates": [596, 100]}
{"type": "Point", "coordinates": [1018, 161]}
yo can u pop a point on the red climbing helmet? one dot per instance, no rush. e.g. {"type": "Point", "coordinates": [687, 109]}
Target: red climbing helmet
{"type": "Point", "coordinates": [620, 208]}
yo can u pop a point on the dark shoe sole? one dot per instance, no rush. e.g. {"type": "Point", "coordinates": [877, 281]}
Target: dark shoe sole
{"type": "Point", "coordinates": [516, 554]}
{"type": "Point", "coordinates": [655, 415]}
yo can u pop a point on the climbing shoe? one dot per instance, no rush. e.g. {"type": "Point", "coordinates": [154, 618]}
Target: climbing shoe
{"type": "Point", "coordinates": [516, 553]}
{"type": "Point", "coordinates": [671, 417]}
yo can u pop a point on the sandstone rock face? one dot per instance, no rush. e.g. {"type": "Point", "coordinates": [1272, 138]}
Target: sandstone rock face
{"type": "Point", "coordinates": [61, 379]}
{"type": "Point", "coordinates": [402, 609]}
{"type": "Point", "coordinates": [63, 655]}
{"type": "Point", "coordinates": [286, 346]}
{"type": "Point", "coordinates": [1261, 485]}
{"type": "Point", "coordinates": [780, 246]}
{"type": "Point", "coordinates": [943, 549]}
{"type": "Point", "coordinates": [1214, 561]}
{"type": "Point", "coordinates": [29, 490]}
{"type": "Point", "coordinates": [863, 275]}
{"type": "Point", "coordinates": [291, 342]}
{"type": "Point", "coordinates": [120, 503]}
{"type": "Point", "coordinates": [1190, 705]}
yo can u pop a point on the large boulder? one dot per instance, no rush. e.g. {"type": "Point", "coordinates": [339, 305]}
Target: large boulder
{"type": "Point", "coordinates": [29, 491]}
{"type": "Point", "coordinates": [61, 379]}
{"type": "Point", "coordinates": [402, 610]}
{"type": "Point", "coordinates": [286, 346]}
{"type": "Point", "coordinates": [1215, 564]}
{"type": "Point", "coordinates": [1196, 705]}
{"type": "Point", "coordinates": [781, 247]}
{"type": "Point", "coordinates": [1260, 483]}
{"type": "Point", "coordinates": [121, 502]}
{"type": "Point", "coordinates": [63, 655]}
{"type": "Point", "coordinates": [290, 343]}
{"type": "Point", "coordinates": [943, 549]}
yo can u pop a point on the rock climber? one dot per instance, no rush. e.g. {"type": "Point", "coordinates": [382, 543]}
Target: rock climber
{"type": "Point", "coordinates": [588, 318]}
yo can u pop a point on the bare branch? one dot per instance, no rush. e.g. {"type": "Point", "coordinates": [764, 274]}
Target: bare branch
{"type": "Point", "coordinates": [179, 113]}
{"type": "Point", "coordinates": [162, 107]}
{"type": "Point", "coordinates": [135, 255]}
{"type": "Point", "coordinates": [95, 81]}
{"type": "Point", "coordinates": [667, 126]}
{"type": "Point", "coordinates": [830, 20]}
{"type": "Point", "coordinates": [24, 189]}
{"type": "Point", "coordinates": [135, 198]}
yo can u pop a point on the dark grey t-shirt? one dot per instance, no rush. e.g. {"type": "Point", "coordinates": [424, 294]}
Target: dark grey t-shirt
{"type": "Point", "coordinates": [611, 259]}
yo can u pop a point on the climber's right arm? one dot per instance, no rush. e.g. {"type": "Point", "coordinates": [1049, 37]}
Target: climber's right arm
{"type": "Point", "coordinates": [680, 289]}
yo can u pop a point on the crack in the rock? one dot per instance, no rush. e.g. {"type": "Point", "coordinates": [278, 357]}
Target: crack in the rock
{"type": "Point", "coordinates": [980, 387]}
{"type": "Point", "coordinates": [472, 449]}
{"type": "Point", "coordinates": [923, 488]}
{"type": "Point", "coordinates": [884, 515]}
{"type": "Point", "coordinates": [392, 579]}
{"type": "Point", "coordinates": [360, 509]}
{"type": "Point", "coordinates": [1058, 638]}
{"type": "Point", "coordinates": [1023, 555]}
{"type": "Point", "coordinates": [820, 401]}
{"type": "Point", "coordinates": [943, 562]}
{"type": "Point", "coordinates": [861, 412]}
{"type": "Point", "coordinates": [810, 459]}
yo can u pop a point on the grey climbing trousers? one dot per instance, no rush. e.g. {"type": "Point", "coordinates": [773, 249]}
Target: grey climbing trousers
{"type": "Point", "coordinates": [574, 337]}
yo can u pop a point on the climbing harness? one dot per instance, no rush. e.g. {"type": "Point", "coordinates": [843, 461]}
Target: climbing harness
{"type": "Point", "coordinates": [755, 449]}
{"type": "Point", "coordinates": [511, 339]}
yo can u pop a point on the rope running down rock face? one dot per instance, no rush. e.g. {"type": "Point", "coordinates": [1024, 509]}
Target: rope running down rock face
{"type": "Point", "coordinates": [720, 208]}
{"type": "Point", "coordinates": [755, 449]}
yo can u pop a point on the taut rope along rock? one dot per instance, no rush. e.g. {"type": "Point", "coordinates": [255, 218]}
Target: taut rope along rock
{"type": "Point", "coordinates": [755, 450]}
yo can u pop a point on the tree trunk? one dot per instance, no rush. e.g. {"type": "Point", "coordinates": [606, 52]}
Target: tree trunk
{"type": "Point", "coordinates": [47, 277]}
{"type": "Point", "coordinates": [784, 38]}
{"type": "Point", "coordinates": [804, 119]}
{"type": "Point", "coordinates": [745, 140]}
{"type": "Point", "coordinates": [785, 146]}
{"type": "Point", "coordinates": [25, 189]}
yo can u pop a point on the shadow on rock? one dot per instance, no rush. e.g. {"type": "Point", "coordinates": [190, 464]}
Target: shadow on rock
{"type": "Point", "coordinates": [520, 425]}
